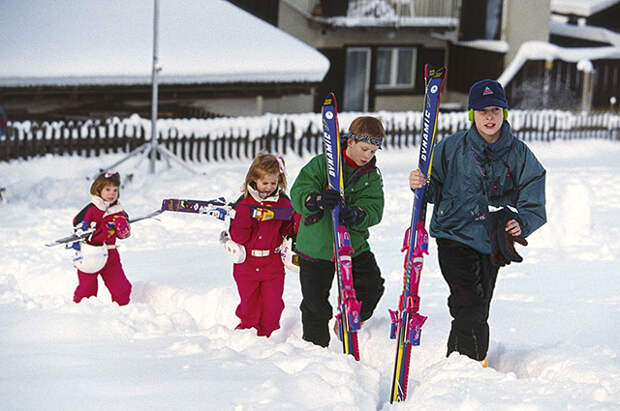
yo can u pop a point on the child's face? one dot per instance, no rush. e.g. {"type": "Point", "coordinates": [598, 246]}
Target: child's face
{"type": "Point", "coordinates": [109, 193]}
{"type": "Point", "coordinates": [267, 183]}
{"type": "Point", "coordinates": [360, 152]}
{"type": "Point", "coordinates": [489, 122]}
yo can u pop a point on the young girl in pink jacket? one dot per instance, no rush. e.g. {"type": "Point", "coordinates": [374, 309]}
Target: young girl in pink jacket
{"type": "Point", "coordinates": [260, 277]}
{"type": "Point", "coordinates": [106, 215]}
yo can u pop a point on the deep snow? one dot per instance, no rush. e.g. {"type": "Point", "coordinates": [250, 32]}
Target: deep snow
{"type": "Point", "coordinates": [554, 320]}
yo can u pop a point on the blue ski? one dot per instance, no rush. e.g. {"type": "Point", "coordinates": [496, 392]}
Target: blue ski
{"type": "Point", "coordinates": [406, 320]}
{"type": "Point", "coordinates": [348, 316]}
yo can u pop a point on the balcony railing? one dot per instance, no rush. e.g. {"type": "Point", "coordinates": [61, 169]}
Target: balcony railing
{"type": "Point", "coordinates": [415, 13]}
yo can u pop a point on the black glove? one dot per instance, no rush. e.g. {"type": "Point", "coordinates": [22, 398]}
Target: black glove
{"type": "Point", "coordinates": [326, 200]}
{"type": "Point", "coordinates": [350, 216]}
{"type": "Point", "coordinates": [502, 243]}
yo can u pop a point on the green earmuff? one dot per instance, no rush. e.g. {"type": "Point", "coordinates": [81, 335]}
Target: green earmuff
{"type": "Point", "coordinates": [471, 114]}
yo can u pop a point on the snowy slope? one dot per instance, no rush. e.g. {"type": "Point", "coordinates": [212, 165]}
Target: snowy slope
{"type": "Point", "coordinates": [554, 334]}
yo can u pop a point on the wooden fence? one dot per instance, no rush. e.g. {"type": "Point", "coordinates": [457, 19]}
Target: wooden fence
{"type": "Point", "coordinates": [284, 136]}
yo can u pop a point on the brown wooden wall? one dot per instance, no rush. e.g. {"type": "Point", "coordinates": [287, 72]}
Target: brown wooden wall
{"type": "Point", "coordinates": [87, 102]}
{"type": "Point", "coordinates": [561, 86]}
{"type": "Point", "coordinates": [466, 65]}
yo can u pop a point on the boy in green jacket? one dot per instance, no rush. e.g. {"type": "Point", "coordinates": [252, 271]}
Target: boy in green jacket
{"type": "Point", "coordinates": [472, 170]}
{"type": "Point", "coordinates": [361, 208]}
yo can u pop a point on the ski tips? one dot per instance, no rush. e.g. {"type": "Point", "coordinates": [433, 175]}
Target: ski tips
{"type": "Point", "coordinates": [429, 71]}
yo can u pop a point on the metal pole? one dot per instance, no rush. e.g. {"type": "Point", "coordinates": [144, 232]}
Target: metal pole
{"type": "Point", "coordinates": [153, 153]}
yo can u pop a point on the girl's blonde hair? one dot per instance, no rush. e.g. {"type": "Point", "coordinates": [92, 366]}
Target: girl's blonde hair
{"type": "Point", "coordinates": [263, 164]}
{"type": "Point", "coordinates": [104, 179]}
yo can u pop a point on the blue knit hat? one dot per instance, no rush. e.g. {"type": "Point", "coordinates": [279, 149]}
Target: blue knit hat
{"type": "Point", "coordinates": [487, 93]}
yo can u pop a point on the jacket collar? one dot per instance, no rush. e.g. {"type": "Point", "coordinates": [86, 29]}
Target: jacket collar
{"type": "Point", "coordinates": [273, 197]}
{"type": "Point", "coordinates": [502, 144]}
{"type": "Point", "coordinates": [105, 206]}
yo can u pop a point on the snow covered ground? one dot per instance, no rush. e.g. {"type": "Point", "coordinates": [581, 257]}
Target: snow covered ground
{"type": "Point", "coordinates": [555, 338]}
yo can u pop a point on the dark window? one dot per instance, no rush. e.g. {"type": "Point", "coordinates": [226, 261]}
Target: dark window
{"type": "Point", "coordinates": [396, 67]}
{"type": "Point", "coordinates": [481, 20]}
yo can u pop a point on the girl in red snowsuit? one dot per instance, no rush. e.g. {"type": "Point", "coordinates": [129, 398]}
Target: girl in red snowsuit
{"type": "Point", "coordinates": [106, 214]}
{"type": "Point", "coordinates": [260, 277]}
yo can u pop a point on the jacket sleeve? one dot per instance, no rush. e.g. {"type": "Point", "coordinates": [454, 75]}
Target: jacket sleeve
{"type": "Point", "coordinates": [81, 216]}
{"type": "Point", "coordinates": [311, 179]}
{"type": "Point", "coordinates": [287, 227]}
{"type": "Point", "coordinates": [241, 225]}
{"type": "Point", "coordinates": [87, 214]}
{"type": "Point", "coordinates": [371, 201]}
{"type": "Point", "coordinates": [531, 200]}
{"type": "Point", "coordinates": [438, 172]}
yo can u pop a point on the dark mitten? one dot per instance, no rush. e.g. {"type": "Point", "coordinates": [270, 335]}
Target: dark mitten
{"type": "Point", "coordinates": [326, 200]}
{"type": "Point", "coordinates": [502, 243]}
{"type": "Point", "coordinates": [497, 258]}
{"type": "Point", "coordinates": [507, 246]}
{"type": "Point", "coordinates": [350, 216]}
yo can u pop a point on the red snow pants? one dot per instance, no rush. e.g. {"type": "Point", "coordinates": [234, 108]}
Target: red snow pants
{"type": "Point", "coordinates": [261, 301]}
{"type": "Point", "coordinates": [113, 277]}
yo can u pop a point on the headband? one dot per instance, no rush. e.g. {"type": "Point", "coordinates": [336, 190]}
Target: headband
{"type": "Point", "coordinates": [375, 141]}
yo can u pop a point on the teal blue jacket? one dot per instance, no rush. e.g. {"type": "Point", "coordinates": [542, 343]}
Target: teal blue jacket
{"type": "Point", "coordinates": [468, 175]}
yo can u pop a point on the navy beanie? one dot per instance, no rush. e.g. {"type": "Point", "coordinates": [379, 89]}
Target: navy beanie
{"type": "Point", "coordinates": [487, 93]}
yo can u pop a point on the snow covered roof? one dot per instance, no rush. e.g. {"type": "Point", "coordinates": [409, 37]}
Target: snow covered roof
{"type": "Point", "coordinates": [581, 7]}
{"type": "Point", "coordinates": [498, 46]}
{"type": "Point", "coordinates": [89, 42]}
{"type": "Point", "coordinates": [592, 33]}
{"type": "Point", "coordinates": [540, 50]}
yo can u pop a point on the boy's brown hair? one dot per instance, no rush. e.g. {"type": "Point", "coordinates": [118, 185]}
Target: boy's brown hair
{"type": "Point", "coordinates": [368, 129]}
{"type": "Point", "coordinates": [104, 179]}
{"type": "Point", "coordinates": [263, 164]}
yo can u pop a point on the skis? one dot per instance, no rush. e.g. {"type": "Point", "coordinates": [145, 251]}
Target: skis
{"type": "Point", "coordinates": [221, 209]}
{"type": "Point", "coordinates": [217, 208]}
{"type": "Point", "coordinates": [406, 321]}
{"type": "Point", "coordinates": [348, 317]}
{"type": "Point", "coordinates": [72, 238]}
{"type": "Point", "coordinates": [85, 234]}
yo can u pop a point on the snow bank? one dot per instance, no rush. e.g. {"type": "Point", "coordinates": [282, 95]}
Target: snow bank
{"type": "Point", "coordinates": [554, 334]}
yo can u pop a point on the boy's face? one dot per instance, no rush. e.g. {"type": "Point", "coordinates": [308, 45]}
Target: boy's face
{"type": "Point", "coordinates": [360, 152]}
{"type": "Point", "coordinates": [109, 193]}
{"type": "Point", "coordinates": [489, 122]}
{"type": "Point", "coordinates": [267, 183]}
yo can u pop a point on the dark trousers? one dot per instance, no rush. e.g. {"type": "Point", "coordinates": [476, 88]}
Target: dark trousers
{"type": "Point", "coordinates": [316, 281]}
{"type": "Point", "coordinates": [471, 278]}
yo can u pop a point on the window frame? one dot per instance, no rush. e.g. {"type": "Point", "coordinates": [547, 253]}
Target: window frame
{"type": "Point", "coordinates": [394, 60]}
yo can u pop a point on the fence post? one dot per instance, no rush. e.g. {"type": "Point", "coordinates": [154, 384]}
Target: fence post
{"type": "Point", "coordinates": [587, 85]}
{"type": "Point", "coordinates": [208, 144]}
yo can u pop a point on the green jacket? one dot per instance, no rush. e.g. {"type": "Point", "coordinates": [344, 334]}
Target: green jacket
{"type": "Point", "coordinates": [468, 175]}
{"type": "Point", "coordinates": [363, 188]}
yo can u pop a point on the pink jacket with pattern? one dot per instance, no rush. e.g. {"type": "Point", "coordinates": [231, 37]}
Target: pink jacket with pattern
{"type": "Point", "coordinates": [100, 213]}
{"type": "Point", "coordinates": [262, 236]}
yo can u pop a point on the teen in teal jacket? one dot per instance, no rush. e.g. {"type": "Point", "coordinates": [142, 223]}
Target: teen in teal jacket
{"type": "Point", "coordinates": [468, 175]}
{"type": "Point", "coordinates": [472, 170]}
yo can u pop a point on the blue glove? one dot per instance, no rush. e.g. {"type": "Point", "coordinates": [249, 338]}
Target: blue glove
{"type": "Point", "coordinates": [80, 228]}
